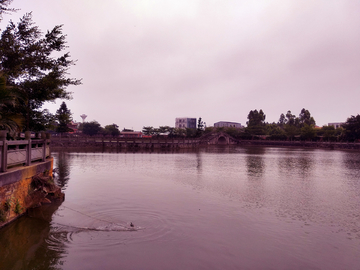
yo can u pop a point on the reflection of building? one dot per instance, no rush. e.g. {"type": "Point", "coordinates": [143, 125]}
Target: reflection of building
{"type": "Point", "coordinates": [227, 124]}
{"type": "Point", "coordinates": [336, 125]}
{"type": "Point", "coordinates": [185, 122]}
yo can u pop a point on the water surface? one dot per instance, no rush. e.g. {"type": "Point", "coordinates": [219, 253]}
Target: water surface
{"type": "Point", "coordinates": [216, 208]}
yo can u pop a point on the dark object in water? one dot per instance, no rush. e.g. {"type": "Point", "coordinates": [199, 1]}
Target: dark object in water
{"type": "Point", "coordinates": [131, 224]}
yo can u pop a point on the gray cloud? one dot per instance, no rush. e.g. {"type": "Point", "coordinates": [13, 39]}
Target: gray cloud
{"type": "Point", "coordinates": [147, 62]}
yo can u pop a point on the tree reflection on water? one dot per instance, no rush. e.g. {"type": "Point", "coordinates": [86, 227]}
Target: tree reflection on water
{"type": "Point", "coordinates": [62, 169]}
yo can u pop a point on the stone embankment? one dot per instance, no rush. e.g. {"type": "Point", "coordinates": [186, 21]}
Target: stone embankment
{"type": "Point", "coordinates": [25, 175]}
{"type": "Point", "coordinates": [303, 144]}
{"type": "Point", "coordinates": [122, 143]}
{"type": "Point", "coordinates": [29, 192]}
{"type": "Point", "coordinates": [167, 143]}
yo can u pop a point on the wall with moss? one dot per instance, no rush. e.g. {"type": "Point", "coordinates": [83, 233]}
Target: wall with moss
{"type": "Point", "coordinates": [16, 190]}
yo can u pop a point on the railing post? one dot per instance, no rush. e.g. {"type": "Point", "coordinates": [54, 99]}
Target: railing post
{"type": "Point", "coordinates": [3, 151]}
{"type": "Point", "coordinates": [43, 138]}
{"type": "Point", "coordinates": [48, 137]}
{"type": "Point", "coordinates": [28, 147]}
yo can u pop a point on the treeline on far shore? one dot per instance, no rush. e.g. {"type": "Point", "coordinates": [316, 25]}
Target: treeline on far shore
{"type": "Point", "coordinates": [288, 128]}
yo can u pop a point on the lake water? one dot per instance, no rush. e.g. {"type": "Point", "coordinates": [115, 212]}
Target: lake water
{"type": "Point", "coordinates": [216, 208]}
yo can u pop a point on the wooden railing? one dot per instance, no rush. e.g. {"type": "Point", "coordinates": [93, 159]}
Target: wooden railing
{"type": "Point", "coordinates": [23, 152]}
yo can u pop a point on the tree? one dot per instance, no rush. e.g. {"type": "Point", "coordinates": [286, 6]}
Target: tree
{"type": "Point", "coordinates": [163, 129]}
{"type": "Point", "coordinates": [307, 132]}
{"type": "Point", "coordinates": [63, 116]}
{"type": "Point", "coordinates": [256, 123]}
{"type": "Point", "coordinates": [91, 128]}
{"type": "Point", "coordinates": [290, 119]}
{"type": "Point", "coordinates": [275, 132]}
{"type": "Point", "coordinates": [190, 132]}
{"type": "Point", "coordinates": [27, 61]}
{"type": "Point", "coordinates": [200, 128]}
{"type": "Point", "coordinates": [282, 120]}
{"type": "Point", "coordinates": [112, 130]}
{"type": "Point", "coordinates": [234, 132]}
{"type": "Point", "coordinates": [328, 133]}
{"type": "Point", "coordinates": [291, 125]}
{"type": "Point", "coordinates": [148, 131]}
{"type": "Point", "coordinates": [305, 118]}
{"type": "Point", "coordinates": [352, 128]}
{"type": "Point", "coordinates": [256, 118]}
{"type": "Point", "coordinates": [10, 120]}
{"type": "Point", "coordinates": [179, 132]}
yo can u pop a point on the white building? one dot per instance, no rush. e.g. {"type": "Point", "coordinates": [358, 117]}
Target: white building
{"type": "Point", "coordinates": [336, 125]}
{"type": "Point", "coordinates": [184, 122]}
{"type": "Point", "coordinates": [227, 124]}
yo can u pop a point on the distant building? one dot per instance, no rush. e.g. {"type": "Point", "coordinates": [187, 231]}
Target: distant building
{"type": "Point", "coordinates": [227, 124]}
{"type": "Point", "coordinates": [185, 122]}
{"type": "Point", "coordinates": [336, 125]}
{"type": "Point", "coordinates": [74, 126]}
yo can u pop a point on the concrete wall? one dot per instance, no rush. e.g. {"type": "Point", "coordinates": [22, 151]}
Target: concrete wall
{"type": "Point", "coordinates": [15, 189]}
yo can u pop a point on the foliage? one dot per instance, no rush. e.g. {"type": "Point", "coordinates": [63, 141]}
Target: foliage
{"type": "Point", "coordinates": [10, 120]}
{"type": "Point", "coordinates": [234, 132]}
{"type": "Point", "coordinates": [112, 130]}
{"type": "Point", "coordinates": [43, 120]}
{"type": "Point", "coordinates": [209, 130]}
{"type": "Point", "coordinates": [256, 123]}
{"type": "Point", "coordinates": [328, 133]}
{"type": "Point", "coordinates": [282, 120]}
{"type": "Point", "coordinates": [148, 131]}
{"type": "Point", "coordinates": [91, 128]}
{"type": "Point", "coordinates": [200, 128]}
{"type": "Point", "coordinates": [18, 209]}
{"type": "Point", "coordinates": [163, 130]}
{"type": "Point", "coordinates": [307, 132]}
{"type": "Point", "coordinates": [63, 116]}
{"type": "Point", "coordinates": [179, 132]}
{"type": "Point", "coordinates": [292, 125]}
{"type": "Point", "coordinates": [4, 7]}
{"type": "Point", "coordinates": [27, 61]}
{"type": "Point", "coordinates": [190, 132]}
{"type": "Point", "coordinates": [305, 118]}
{"type": "Point", "coordinates": [7, 204]}
{"type": "Point", "coordinates": [256, 118]}
{"type": "Point", "coordinates": [275, 132]}
{"type": "Point", "coordinates": [352, 128]}
{"type": "Point", "coordinates": [291, 119]}
{"type": "Point", "coordinates": [291, 131]}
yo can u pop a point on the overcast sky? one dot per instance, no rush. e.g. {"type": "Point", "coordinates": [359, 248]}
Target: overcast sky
{"type": "Point", "coordinates": [144, 63]}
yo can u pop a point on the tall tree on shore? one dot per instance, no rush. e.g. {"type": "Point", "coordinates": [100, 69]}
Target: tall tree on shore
{"type": "Point", "coordinates": [64, 118]}
{"type": "Point", "coordinates": [305, 118]}
{"type": "Point", "coordinates": [256, 123]}
{"type": "Point", "coordinates": [28, 62]}
{"type": "Point", "coordinates": [200, 128]}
